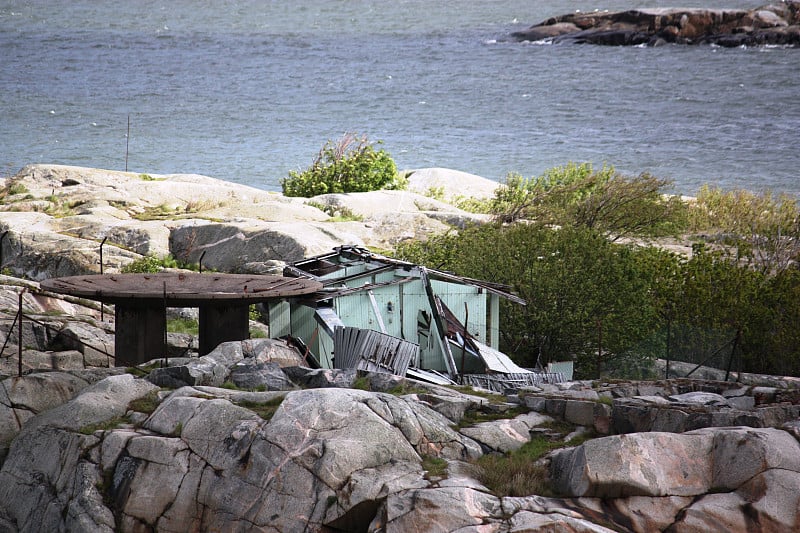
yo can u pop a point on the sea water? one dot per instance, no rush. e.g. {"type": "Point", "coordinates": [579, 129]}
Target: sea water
{"type": "Point", "coordinates": [248, 90]}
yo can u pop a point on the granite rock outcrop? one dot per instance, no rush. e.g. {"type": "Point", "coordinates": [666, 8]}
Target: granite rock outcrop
{"type": "Point", "coordinates": [56, 219]}
{"type": "Point", "coordinates": [114, 451]}
{"type": "Point", "coordinates": [775, 24]}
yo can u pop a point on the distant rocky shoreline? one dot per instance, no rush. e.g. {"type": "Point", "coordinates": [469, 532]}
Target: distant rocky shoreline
{"type": "Point", "coordinates": [776, 24]}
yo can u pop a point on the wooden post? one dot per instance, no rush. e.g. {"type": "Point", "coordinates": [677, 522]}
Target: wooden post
{"type": "Point", "coordinates": [222, 322]}
{"type": "Point", "coordinates": [139, 335]}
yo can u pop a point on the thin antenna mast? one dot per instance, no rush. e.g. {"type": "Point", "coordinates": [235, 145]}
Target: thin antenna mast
{"type": "Point", "coordinates": [127, 142]}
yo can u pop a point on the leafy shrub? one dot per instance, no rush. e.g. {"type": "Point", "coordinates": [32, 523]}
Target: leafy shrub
{"type": "Point", "coordinates": [13, 187]}
{"type": "Point", "coordinates": [183, 325]}
{"type": "Point", "coordinates": [614, 308]}
{"type": "Point", "coordinates": [605, 200]}
{"type": "Point", "coordinates": [351, 164]}
{"type": "Point", "coordinates": [575, 281]}
{"type": "Point", "coordinates": [144, 265]}
{"type": "Point", "coordinates": [151, 265]}
{"type": "Point", "coordinates": [762, 228]}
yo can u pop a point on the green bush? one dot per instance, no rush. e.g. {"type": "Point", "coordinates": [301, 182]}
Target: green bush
{"type": "Point", "coordinates": [585, 294]}
{"type": "Point", "coordinates": [144, 265]}
{"type": "Point", "coordinates": [351, 164]}
{"type": "Point", "coordinates": [151, 265]}
{"type": "Point", "coordinates": [604, 200]}
{"type": "Point", "coordinates": [614, 308]}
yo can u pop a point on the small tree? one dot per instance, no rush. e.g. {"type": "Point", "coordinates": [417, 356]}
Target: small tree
{"type": "Point", "coordinates": [351, 164]}
{"type": "Point", "coordinates": [761, 228]}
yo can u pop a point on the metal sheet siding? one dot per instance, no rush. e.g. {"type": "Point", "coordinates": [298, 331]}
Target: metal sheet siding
{"type": "Point", "coordinates": [454, 295]}
{"type": "Point", "coordinates": [413, 299]}
{"type": "Point", "coordinates": [493, 322]}
{"type": "Point", "coordinates": [304, 325]}
{"type": "Point", "coordinates": [356, 310]}
{"type": "Point", "coordinates": [279, 319]}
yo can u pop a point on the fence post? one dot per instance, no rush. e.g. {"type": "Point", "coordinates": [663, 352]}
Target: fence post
{"type": "Point", "coordinates": [101, 273]}
{"type": "Point", "coordinates": [19, 332]}
{"type": "Point", "coordinates": [101, 253]}
{"type": "Point", "coordinates": [669, 327]}
{"type": "Point", "coordinates": [733, 351]}
{"type": "Point", "coordinates": [2, 238]}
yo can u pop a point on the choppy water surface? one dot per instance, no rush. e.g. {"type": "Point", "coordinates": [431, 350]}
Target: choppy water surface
{"type": "Point", "coordinates": [246, 91]}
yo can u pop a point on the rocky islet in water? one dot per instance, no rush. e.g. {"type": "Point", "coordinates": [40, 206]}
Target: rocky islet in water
{"type": "Point", "coordinates": [776, 24]}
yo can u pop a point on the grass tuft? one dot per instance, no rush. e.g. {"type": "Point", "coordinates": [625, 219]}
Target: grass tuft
{"type": "Point", "coordinates": [435, 467]}
{"type": "Point", "coordinates": [519, 473]}
{"type": "Point", "coordinates": [263, 409]}
{"type": "Point", "coordinates": [111, 423]}
{"type": "Point", "coordinates": [146, 404]}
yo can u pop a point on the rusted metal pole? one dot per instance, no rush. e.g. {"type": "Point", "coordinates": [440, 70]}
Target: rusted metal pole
{"type": "Point", "coordinates": [8, 336]}
{"type": "Point", "coordinates": [669, 324]}
{"type": "Point", "coordinates": [2, 238]}
{"type": "Point", "coordinates": [19, 332]}
{"type": "Point", "coordinates": [733, 351]}
{"type": "Point", "coordinates": [101, 272]}
{"type": "Point", "coordinates": [101, 253]}
{"type": "Point", "coordinates": [127, 142]}
{"type": "Point", "coordinates": [166, 343]}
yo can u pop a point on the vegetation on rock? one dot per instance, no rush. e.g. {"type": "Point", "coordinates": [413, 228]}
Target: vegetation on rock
{"type": "Point", "coordinates": [614, 307]}
{"type": "Point", "coordinates": [151, 265]}
{"type": "Point", "coordinates": [350, 164]}
{"type": "Point", "coordinates": [520, 473]}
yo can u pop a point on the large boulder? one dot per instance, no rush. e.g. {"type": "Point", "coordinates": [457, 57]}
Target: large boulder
{"type": "Point", "coordinates": [122, 455]}
{"type": "Point", "coordinates": [22, 398]}
{"type": "Point", "coordinates": [247, 245]}
{"type": "Point", "coordinates": [216, 367]}
{"type": "Point", "coordinates": [212, 369]}
{"type": "Point", "coordinates": [452, 184]}
{"type": "Point", "coordinates": [47, 482]}
{"type": "Point", "coordinates": [641, 464]}
{"type": "Point", "coordinates": [505, 435]}
{"type": "Point", "coordinates": [720, 479]}
{"type": "Point", "coordinates": [36, 250]}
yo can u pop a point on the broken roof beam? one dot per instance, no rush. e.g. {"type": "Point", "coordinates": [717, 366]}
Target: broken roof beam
{"type": "Point", "coordinates": [334, 292]}
{"type": "Point", "coordinates": [439, 323]}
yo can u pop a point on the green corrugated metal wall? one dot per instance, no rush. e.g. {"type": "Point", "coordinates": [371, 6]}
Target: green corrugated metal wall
{"type": "Point", "coordinates": [454, 295]}
{"type": "Point", "coordinates": [399, 306]}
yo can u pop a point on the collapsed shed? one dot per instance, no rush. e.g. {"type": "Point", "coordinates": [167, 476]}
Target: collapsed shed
{"type": "Point", "coordinates": [382, 314]}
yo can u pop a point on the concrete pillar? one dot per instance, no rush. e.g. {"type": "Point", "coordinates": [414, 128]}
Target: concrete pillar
{"type": "Point", "coordinates": [139, 333]}
{"type": "Point", "coordinates": [221, 323]}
